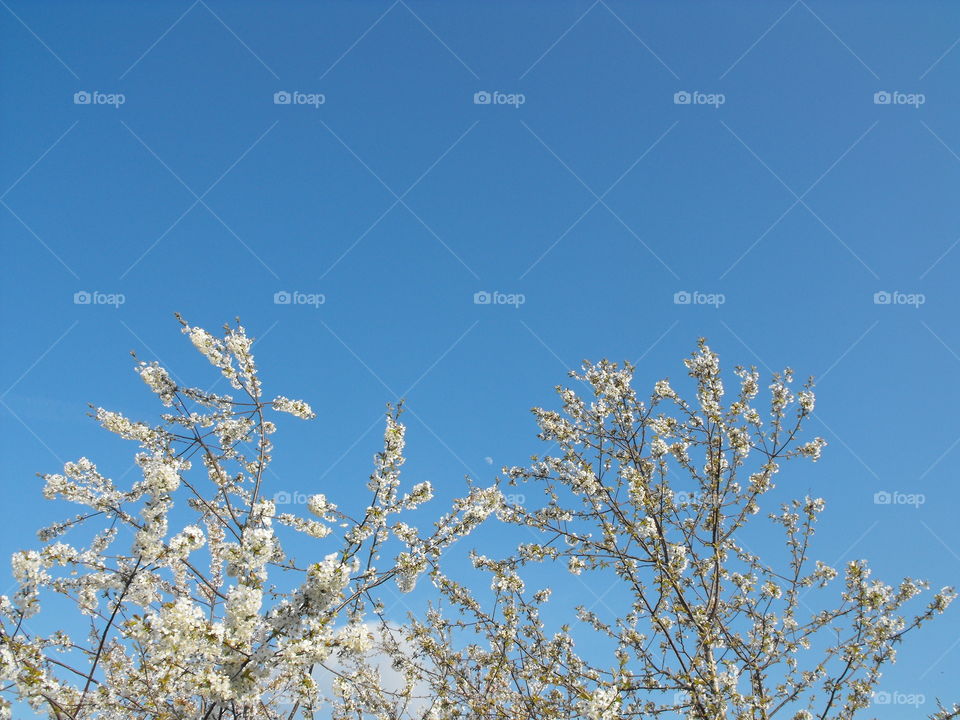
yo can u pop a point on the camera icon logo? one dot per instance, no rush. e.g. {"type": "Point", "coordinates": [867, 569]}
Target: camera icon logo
{"type": "Point", "coordinates": [681, 298]}
{"type": "Point", "coordinates": [482, 298]}
{"type": "Point", "coordinates": [81, 98]}
{"type": "Point", "coordinates": [881, 697]}
{"type": "Point", "coordinates": [681, 98]}
{"type": "Point", "coordinates": [882, 498]}
{"type": "Point", "coordinates": [882, 97]}
{"type": "Point", "coordinates": [81, 297]}
{"type": "Point", "coordinates": [282, 297]}
{"type": "Point", "coordinates": [282, 97]}
{"type": "Point", "coordinates": [482, 97]}
{"type": "Point", "coordinates": [882, 298]}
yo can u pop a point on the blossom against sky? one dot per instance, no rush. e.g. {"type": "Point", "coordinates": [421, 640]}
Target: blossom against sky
{"type": "Point", "coordinates": [457, 202]}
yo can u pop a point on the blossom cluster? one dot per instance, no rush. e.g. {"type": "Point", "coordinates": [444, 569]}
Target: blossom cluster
{"type": "Point", "coordinates": [198, 610]}
{"type": "Point", "coordinates": [644, 499]}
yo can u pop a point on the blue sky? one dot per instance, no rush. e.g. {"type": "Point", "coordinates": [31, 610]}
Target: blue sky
{"type": "Point", "coordinates": [787, 187]}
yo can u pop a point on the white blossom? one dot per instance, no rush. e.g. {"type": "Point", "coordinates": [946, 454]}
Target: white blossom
{"type": "Point", "coordinates": [196, 608]}
{"type": "Point", "coordinates": [295, 407]}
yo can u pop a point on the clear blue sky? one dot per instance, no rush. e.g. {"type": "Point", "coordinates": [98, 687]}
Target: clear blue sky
{"type": "Point", "coordinates": [798, 198]}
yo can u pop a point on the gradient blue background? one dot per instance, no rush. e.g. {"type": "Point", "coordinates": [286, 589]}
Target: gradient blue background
{"type": "Point", "coordinates": [798, 199]}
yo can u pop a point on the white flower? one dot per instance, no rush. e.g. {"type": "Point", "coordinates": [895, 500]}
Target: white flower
{"type": "Point", "coordinates": [677, 556]}
{"type": "Point", "coordinates": [421, 493]}
{"type": "Point", "coordinates": [576, 565]}
{"type": "Point", "coordinates": [159, 381]}
{"type": "Point", "coordinates": [27, 566]}
{"type": "Point", "coordinates": [646, 528]}
{"type": "Point", "coordinates": [161, 474]}
{"type": "Point", "coordinates": [409, 567]}
{"type": "Point", "coordinates": [318, 505]}
{"type": "Point", "coordinates": [507, 581]}
{"type": "Point", "coordinates": [209, 346]}
{"type": "Point", "coordinates": [942, 600]}
{"type": "Point", "coordinates": [117, 423]}
{"type": "Point", "coordinates": [658, 447]}
{"type": "Point", "coordinates": [814, 505]}
{"type": "Point", "coordinates": [297, 408]}
{"type": "Point", "coordinates": [242, 612]}
{"type": "Point", "coordinates": [8, 664]}
{"type": "Point", "coordinates": [602, 705]}
{"type": "Point", "coordinates": [771, 589]}
{"type": "Point", "coordinates": [187, 540]}
{"type": "Point", "coordinates": [355, 638]}
{"type": "Point", "coordinates": [813, 448]}
{"type": "Point", "coordinates": [580, 477]}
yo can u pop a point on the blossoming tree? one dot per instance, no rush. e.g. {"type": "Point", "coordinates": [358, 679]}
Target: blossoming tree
{"type": "Point", "coordinates": [650, 501]}
{"type": "Point", "coordinates": [183, 622]}
{"type": "Point", "coordinates": [200, 612]}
